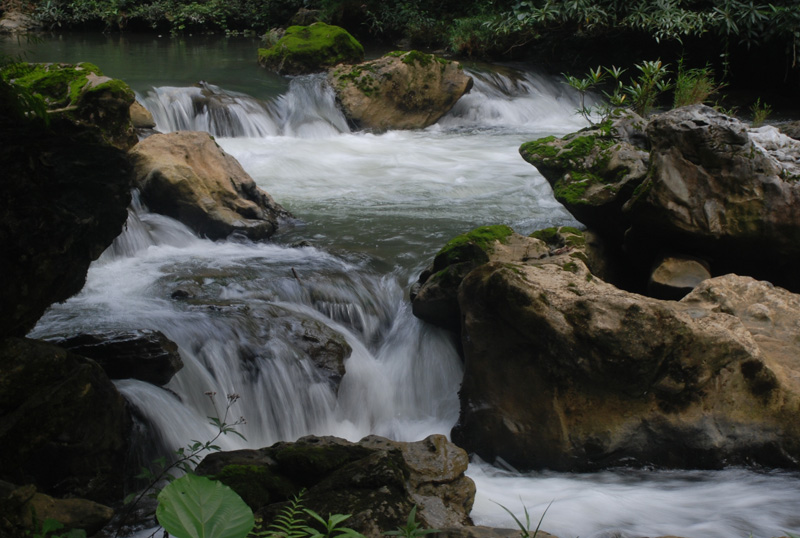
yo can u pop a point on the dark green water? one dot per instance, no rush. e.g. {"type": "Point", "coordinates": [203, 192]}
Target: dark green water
{"type": "Point", "coordinates": [148, 60]}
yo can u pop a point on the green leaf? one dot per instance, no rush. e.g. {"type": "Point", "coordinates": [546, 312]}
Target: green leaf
{"type": "Point", "coordinates": [196, 507]}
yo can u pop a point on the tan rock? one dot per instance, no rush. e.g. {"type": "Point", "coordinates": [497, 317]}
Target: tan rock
{"type": "Point", "coordinates": [401, 90]}
{"type": "Point", "coordinates": [141, 118]}
{"type": "Point", "coordinates": [187, 176]}
{"type": "Point", "coordinates": [675, 276]}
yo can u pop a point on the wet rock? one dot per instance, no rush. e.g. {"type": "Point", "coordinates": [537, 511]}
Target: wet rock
{"type": "Point", "coordinates": [145, 354]}
{"type": "Point", "coordinates": [187, 176]}
{"type": "Point", "coordinates": [566, 372]}
{"type": "Point", "coordinates": [65, 426]}
{"type": "Point", "coordinates": [63, 200]}
{"type": "Point", "coordinates": [791, 129]}
{"type": "Point", "coordinates": [15, 22]}
{"type": "Point", "coordinates": [309, 49]}
{"type": "Point", "coordinates": [378, 481]}
{"type": "Point", "coordinates": [401, 90]}
{"type": "Point", "coordinates": [676, 276]}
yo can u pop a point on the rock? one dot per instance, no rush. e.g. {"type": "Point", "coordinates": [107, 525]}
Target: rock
{"type": "Point", "coordinates": [309, 49]}
{"type": "Point", "coordinates": [141, 118]}
{"type": "Point", "coordinates": [595, 171]}
{"type": "Point", "coordinates": [63, 200]}
{"type": "Point", "coordinates": [714, 191]}
{"type": "Point", "coordinates": [187, 176]}
{"type": "Point", "coordinates": [675, 276]}
{"type": "Point", "coordinates": [378, 481]}
{"type": "Point", "coordinates": [566, 372]}
{"type": "Point", "coordinates": [791, 129]}
{"type": "Point", "coordinates": [81, 93]}
{"type": "Point", "coordinates": [65, 426]}
{"type": "Point", "coordinates": [72, 513]}
{"type": "Point", "coordinates": [435, 300]}
{"type": "Point", "coordinates": [15, 22]}
{"type": "Point", "coordinates": [401, 90]}
{"type": "Point", "coordinates": [145, 354]}
{"type": "Point", "coordinates": [305, 17]}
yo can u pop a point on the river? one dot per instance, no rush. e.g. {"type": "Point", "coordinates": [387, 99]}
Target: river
{"type": "Point", "coordinates": [371, 210]}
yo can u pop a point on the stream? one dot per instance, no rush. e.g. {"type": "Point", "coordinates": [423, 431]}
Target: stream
{"type": "Point", "coordinates": [372, 211]}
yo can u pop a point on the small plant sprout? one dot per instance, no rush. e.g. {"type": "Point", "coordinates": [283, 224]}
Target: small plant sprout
{"type": "Point", "coordinates": [331, 527]}
{"type": "Point", "coordinates": [412, 528]}
{"type": "Point", "coordinates": [760, 112]}
{"type": "Point", "coordinates": [525, 529]}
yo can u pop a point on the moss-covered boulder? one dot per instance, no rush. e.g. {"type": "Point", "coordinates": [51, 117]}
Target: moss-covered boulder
{"type": "Point", "coordinates": [401, 90]}
{"type": "Point", "coordinates": [376, 480]}
{"type": "Point", "coordinates": [309, 49]}
{"type": "Point", "coordinates": [593, 172]}
{"type": "Point", "coordinates": [81, 93]}
{"type": "Point", "coordinates": [65, 425]}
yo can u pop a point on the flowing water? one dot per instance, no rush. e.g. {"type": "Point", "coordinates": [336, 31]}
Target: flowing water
{"type": "Point", "coordinates": [371, 212]}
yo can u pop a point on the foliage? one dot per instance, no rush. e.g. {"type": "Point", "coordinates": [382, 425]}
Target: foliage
{"type": "Point", "coordinates": [640, 93]}
{"type": "Point", "coordinates": [525, 529]}
{"type": "Point", "coordinates": [185, 458]}
{"type": "Point", "coordinates": [290, 523]}
{"type": "Point", "coordinates": [694, 86]}
{"type": "Point", "coordinates": [49, 528]}
{"type": "Point", "coordinates": [760, 112]}
{"type": "Point", "coordinates": [196, 507]}
{"type": "Point", "coordinates": [332, 527]}
{"type": "Point", "coordinates": [412, 528]}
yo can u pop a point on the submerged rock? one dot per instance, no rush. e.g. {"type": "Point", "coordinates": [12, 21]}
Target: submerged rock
{"type": "Point", "coordinates": [378, 481]}
{"type": "Point", "coordinates": [146, 355]}
{"type": "Point", "coordinates": [187, 176]}
{"type": "Point", "coordinates": [309, 49]}
{"type": "Point", "coordinates": [401, 90]}
{"type": "Point", "coordinates": [65, 426]}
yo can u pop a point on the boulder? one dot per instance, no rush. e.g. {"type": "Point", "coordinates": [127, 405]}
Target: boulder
{"type": "Point", "coordinates": [80, 93]}
{"type": "Point", "coordinates": [376, 480]}
{"type": "Point", "coordinates": [63, 200]}
{"type": "Point", "coordinates": [145, 354]}
{"type": "Point", "coordinates": [141, 118]}
{"type": "Point", "coordinates": [309, 49]}
{"type": "Point", "coordinates": [401, 90]}
{"type": "Point", "coordinates": [675, 276]}
{"type": "Point", "coordinates": [15, 22]}
{"type": "Point", "coordinates": [595, 171]}
{"type": "Point", "coordinates": [187, 176]}
{"type": "Point", "coordinates": [714, 191]}
{"type": "Point", "coordinates": [24, 510]}
{"type": "Point", "coordinates": [65, 426]}
{"type": "Point", "coordinates": [566, 372]}
{"type": "Point", "coordinates": [435, 296]}
{"type": "Point", "coordinates": [791, 129]}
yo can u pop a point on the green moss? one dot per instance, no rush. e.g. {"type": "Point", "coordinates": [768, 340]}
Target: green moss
{"type": "Point", "coordinates": [308, 463]}
{"type": "Point", "coordinates": [570, 193]}
{"type": "Point", "coordinates": [580, 256]}
{"type": "Point", "coordinates": [470, 245]}
{"type": "Point", "coordinates": [360, 77]}
{"type": "Point", "coordinates": [548, 235]}
{"type": "Point", "coordinates": [256, 485]}
{"type": "Point", "coordinates": [541, 148]}
{"type": "Point", "coordinates": [571, 267]}
{"type": "Point", "coordinates": [61, 85]}
{"type": "Point", "coordinates": [304, 49]}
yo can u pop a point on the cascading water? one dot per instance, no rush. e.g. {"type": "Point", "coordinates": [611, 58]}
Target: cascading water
{"type": "Point", "coordinates": [374, 210]}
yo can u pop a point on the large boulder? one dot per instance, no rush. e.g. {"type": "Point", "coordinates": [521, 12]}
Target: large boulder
{"type": "Point", "coordinates": [717, 191]}
{"type": "Point", "coordinates": [81, 93]}
{"type": "Point", "coordinates": [595, 171]}
{"type": "Point", "coordinates": [308, 49]}
{"type": "Point", "coordinates": [64, 425]}
{"type": "Point", "coordinates": [566, 372]}
{"type": "Point", "coordinates": [187, 176]}
{"type": "Point", "coordinates": [144, 354]}
{"type": "Point", "coordinates": [401, 90]}
{"type": "Point", "coordinates": [376, 480]}
{"type": "Point", "coordinates": [63, 199]}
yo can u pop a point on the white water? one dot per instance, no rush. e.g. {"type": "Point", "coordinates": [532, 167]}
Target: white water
{"type": "Point", "coordinates": [375, 208]}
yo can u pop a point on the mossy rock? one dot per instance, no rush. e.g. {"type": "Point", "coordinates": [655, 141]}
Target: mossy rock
{"type": "Point", "coordinates": [308, 49]}
{"type": "Point", "coordinates": [81, 93]}
{"type": "Point", "coordinates": [471, 247]}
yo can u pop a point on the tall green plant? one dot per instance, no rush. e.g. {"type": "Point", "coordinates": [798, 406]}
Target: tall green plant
{"type": "Point", "coordinates": [694, 86]}
{"type": "Point", "coordinates": [412, 528]}
{"type": "Point", "coordinates": [525, 529]}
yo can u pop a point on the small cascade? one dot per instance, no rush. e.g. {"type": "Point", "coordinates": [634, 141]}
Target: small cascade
{"type": "Point", "coordinates": [307, 110]}
{"type": "Point", "coordinates": [515, 100]}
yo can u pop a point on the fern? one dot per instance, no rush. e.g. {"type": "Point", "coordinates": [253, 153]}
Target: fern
{"type": "Point", "coordinates": [290, 522]}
